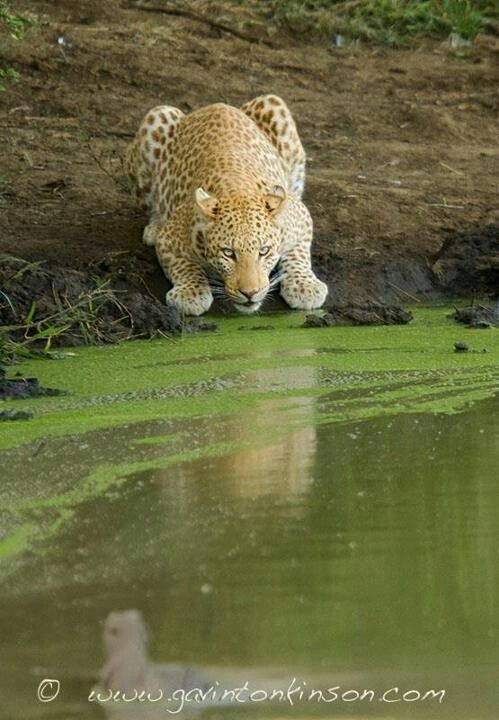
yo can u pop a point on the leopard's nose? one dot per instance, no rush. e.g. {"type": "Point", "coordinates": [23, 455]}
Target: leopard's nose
{"type": "Point", "coordinates": [249, 294]}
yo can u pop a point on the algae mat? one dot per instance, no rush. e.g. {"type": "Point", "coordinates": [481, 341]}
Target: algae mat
{"type": "Point", "coordinates": [147, 405]}
{"type": "Point", "coordinates": [321, 501]}
{"type": "Point", "coordinates": [252, 359]}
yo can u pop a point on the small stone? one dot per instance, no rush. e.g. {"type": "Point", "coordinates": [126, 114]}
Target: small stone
{"type": "Point", "coordinates": [461, 347]}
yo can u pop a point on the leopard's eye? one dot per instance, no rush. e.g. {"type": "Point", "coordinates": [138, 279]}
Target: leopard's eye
{"type": "Point", "coordinates": [264, 250]}
{"type": "Point", "coordinates": [229, 252]}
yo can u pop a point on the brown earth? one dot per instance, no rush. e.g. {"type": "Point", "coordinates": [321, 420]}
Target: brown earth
{"type": "Point", "coordinates": [402, 145]}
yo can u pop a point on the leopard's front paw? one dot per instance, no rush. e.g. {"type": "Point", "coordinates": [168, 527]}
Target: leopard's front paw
{"type": "Point", "coordinates": [189, 300]}
{"type": "Point", "coordinates": [303, 292]}
{"type": "Point", "coordinates": [149, 234]}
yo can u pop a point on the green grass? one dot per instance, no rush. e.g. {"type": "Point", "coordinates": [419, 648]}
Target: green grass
{"type": "Point", "coordinates": [8, 75]}
{"type": "Point", "coordinates": [390, 22]}
{"type": "Point", "coordinates": [16, 25]}
{"type": "Point", "coordinates": [38, 332]}
{"type": "Point", "coordinates": [35, 336]}
{"type": "Point", "coordinates": [12, 26]}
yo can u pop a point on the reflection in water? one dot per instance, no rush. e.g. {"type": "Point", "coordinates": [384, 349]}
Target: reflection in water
{"type": "Point", "coordinates": [128, 667]}
{"type": "Point", "coordinates": [257, 468]}
{"type": "Point", "coordinates": [129, 678]}
{"type": "Point", "coordinates": [131, 682]}
{"type": "Point", "coordinates": [361, 553]}
{"type": "Point", "coordinates": [281, 468]}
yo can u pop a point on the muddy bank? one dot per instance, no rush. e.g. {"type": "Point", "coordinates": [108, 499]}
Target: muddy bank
{"type": "Point", "coordinates": [20, 388]}
{"type": "Point", "coordinates": [466, 265]}
{"type": "Point", "coordinates": [43, 306]}
{"type": "Point", "coordinates": [359, 313]}
{"type": "Point", "coordinates": [478, 316]}
{"type": "Point", "coordinates": [107, 303]}
{"type": "Point", "coordinates": [121, 295]}
{"type": "Point", "coordinates": [468, 262]}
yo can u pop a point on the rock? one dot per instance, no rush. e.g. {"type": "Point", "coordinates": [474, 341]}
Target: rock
{"type": "Point", "coordinates": [461, 347]}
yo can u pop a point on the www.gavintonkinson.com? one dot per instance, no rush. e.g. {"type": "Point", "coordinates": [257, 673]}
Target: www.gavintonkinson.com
{"type": "Point", "coordinates": [296, 692]}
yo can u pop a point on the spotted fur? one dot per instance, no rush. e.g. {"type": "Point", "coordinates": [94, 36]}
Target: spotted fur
{"type": "Point", "coordinates": [223, 187]}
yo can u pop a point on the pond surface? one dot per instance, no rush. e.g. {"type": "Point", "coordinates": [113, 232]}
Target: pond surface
{"type": "Point", "coordinates": [288, 503]}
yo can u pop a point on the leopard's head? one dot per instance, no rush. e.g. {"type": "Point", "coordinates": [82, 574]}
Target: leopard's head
{"type": "Point", "coordinates": [242, 237]}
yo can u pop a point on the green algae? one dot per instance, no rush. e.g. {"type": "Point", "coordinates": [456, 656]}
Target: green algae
{"type": "Point", "coordinates": [109, 386]}
{"type": "Point", "coordinates": [18, 540]}
{"type": "Point", "coordinates": [40, 519]}
{"type": "Point", "coordinates": [277, 381]}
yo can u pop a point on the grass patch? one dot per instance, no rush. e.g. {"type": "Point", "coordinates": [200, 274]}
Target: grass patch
{"type": "Point", "coordinates": [12, 26]}
{"type": "Point", "coordinates": [8, 75]}
{"type": "Point", "coordinates": [15, 25]}
{"type": "Point", "coordinates": [42, 308]}
{"type": "Point", "coordinates": [37, 335]}
{"type": "Point", "coordinates": [66, 320]}
{"type": "Point", "coordinates": [390, 22]}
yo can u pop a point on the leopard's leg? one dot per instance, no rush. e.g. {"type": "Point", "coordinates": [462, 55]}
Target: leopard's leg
{"type": "Point", "coordinates": [191, 292]}
{"type": "Point", "coordinates": [148, 164]}
{"type": "Point", "coordinates": [273, 116]}
{"type": "Point", "coordinates": [300, 287]}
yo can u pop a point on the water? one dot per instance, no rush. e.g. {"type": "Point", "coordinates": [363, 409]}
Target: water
{"type": "Point", "coordinates": [329, 524]}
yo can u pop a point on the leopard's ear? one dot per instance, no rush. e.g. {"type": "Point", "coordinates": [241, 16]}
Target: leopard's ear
{"type": "Point", "coordinates": [274, 201]}
{"type": "Point", "coordinates": [208, 204]}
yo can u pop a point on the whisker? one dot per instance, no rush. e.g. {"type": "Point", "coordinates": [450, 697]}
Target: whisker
{"type": "Point", "coordinates": [278, 273]}
{"type": "Point", "coordinates": [276, 280]}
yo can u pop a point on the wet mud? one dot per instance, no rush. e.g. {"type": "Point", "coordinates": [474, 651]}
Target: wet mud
{"type": "Point", "coordinates": [359, 314]}
{"type": "Point", "coordinates": [478, 316]}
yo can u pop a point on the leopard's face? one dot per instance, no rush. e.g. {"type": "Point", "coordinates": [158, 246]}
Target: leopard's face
{"type": "Point", "coordinates": [243, 238]}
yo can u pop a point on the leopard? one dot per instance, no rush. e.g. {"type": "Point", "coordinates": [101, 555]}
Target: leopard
{"type": "Point", "coordinates": [223, 188]}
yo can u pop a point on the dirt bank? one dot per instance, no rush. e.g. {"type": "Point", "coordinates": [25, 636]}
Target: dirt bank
{"type": "Point", "coordinates": [402, 145]}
